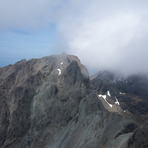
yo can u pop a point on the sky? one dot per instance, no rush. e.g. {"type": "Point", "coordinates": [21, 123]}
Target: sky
{"type": "Point", "coordinates": [105, 35]}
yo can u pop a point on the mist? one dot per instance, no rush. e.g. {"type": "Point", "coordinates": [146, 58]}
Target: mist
{"type": "Point", "coordinates": [108, 35]}
{"type": "Point", "coordinates": [105, 35]}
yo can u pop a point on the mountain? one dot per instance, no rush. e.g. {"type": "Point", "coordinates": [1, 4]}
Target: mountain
{"type": "Point", "coordinates": [131, 92]}
{"type": "Point", "coordinates": [53, 103]}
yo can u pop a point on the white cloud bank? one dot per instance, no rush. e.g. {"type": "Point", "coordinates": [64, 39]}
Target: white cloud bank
{"type": "Point", "coordinates": [27, 15]}
{"type": "Point", "coordinates": [110, 35]}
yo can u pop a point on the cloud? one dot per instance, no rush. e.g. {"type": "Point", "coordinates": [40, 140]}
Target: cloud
{"type": "Point", "coordinates": [26, 14]}
{"type": "Point", "coordinates": [108, 35]}
{"type": "Point", "coordinates": [105, 34]}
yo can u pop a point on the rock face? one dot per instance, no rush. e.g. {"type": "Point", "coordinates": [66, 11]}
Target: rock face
{"type": "Point", "coordinates": [52, 103]}
{"type": "Point", "coordinates": [132, 92]}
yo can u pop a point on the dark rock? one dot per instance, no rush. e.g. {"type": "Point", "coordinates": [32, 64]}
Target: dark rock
{"type": "Point", "coordinates": [139, 138]}
{"type": "Point", "coordinates": [131, 91]}
{"type": "Point", "coordinates": [51, 102]}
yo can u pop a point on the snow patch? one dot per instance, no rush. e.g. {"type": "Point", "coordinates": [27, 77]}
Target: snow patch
{"type": "Point", "coordinates": [117, 102]}
{"type": "Point", "coordinates": [104, 97]}
{"type": "Point", "coordinates": [59, 71]}
{"type": "Point", "coordinates": [125, 110]}
{"type": "Point", "coordinates": [108, 93]}
{"type": "Point", "coordinates": [61, 63]}
{"type": "Point", "coordinates": [122, 93]}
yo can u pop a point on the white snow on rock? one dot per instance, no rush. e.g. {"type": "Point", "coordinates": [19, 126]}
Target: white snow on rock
{"type": "Point", "coordinates": [108, 93]}
{"type": "Point", "coordinates": [59, 71]}
{"type": "Point", "coordinates": [117, 102]}
{"type": "Point", "coordinates": [125, 111]}
{"type": "Point", "coordinates": [61, 63]}
{"type": "Point", "coordinates": [104, 97]}
{"type": "Point", "coordinates": [121, 93]}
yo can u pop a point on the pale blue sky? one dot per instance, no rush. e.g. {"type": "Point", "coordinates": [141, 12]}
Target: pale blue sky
{"type": "Point", "coordinates": [105, 35]}
{"type": "Point", "coordinates": [17, 44]}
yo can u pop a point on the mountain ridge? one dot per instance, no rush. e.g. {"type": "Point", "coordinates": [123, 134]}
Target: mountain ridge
{"type": "Point", "coordinates": [52, 102]}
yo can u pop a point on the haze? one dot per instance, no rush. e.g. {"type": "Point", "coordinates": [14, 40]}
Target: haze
{"type": "Point", "coordinates": [105, 35]}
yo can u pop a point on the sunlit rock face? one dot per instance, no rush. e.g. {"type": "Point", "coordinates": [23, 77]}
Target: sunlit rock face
{"type": "Point", "coordinates": [52, 103]}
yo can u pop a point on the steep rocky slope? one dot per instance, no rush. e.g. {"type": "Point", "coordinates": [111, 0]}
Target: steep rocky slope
{"type": "Point", "coordinates": [51, 103]}
{"type": "Point", "coordinates": [131, 96]}
{"type": "Point", "coordinates": [132, 92]}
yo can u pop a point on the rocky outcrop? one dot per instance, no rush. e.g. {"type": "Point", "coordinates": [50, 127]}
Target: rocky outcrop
{"type": "Point", "coordinates": [139, 138]}
{"type": "Point", "coordinates": [51, 103]}
{"type": "Point", "coordinates": [131, 92]}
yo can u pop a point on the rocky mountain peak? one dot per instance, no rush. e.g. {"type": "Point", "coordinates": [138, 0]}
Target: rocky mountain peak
{"type": "Point", "coordinates": [52, 103]}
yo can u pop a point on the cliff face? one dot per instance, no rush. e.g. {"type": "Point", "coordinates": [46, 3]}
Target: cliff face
{"type": "Point", "coordinates": [52, 103]}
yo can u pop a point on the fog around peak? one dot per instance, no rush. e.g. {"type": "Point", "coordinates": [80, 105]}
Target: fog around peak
{"type": "Point", "coordinates": [109, 37]}
{"type": "Point", "coordinates": [105, 35]}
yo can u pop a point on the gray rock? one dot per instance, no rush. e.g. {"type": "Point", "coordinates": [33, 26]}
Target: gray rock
{"type": "Point", "coordinates": [50, 103]}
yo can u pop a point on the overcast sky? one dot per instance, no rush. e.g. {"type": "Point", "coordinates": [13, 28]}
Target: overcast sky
{"type": "Point", "coordinates": [105, 35]}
